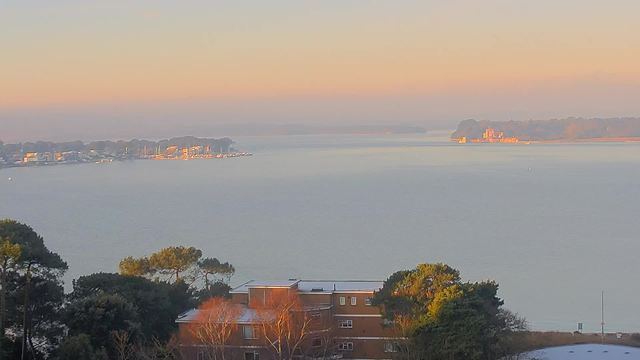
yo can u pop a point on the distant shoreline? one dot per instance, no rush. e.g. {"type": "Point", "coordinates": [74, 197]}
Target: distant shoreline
{"type": "Point", "coordinates": [47, 153]}
{"type": "Point", "coordinates": [110, 160]}
{"type": "Point", "coordinates": [568, 130]}
{"type": "Point", "coordinates": [589, 140]}
{"type": "Point", "coordinates": [568, 141]}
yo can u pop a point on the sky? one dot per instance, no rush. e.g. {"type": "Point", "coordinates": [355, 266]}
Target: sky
{"type": "Point", "coordinates": [121, 68]}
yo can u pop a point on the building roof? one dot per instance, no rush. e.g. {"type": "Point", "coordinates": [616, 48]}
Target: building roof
{"type": "Point", "coordinates": [314, 286]}
{"type": "Point", "coordinates": [587, 352]}
{"type": "Point", "coordinates": [247, 316]}
{"type": "Point", "coordinates": [329, 286]}
{"type": "Point", "coordinates": [244, 288]}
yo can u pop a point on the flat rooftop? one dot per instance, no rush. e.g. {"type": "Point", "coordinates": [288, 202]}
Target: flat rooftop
{"type": "Point", "coordinates": [247, 315]}
{"type": "Point", "coordinates": [314, 286]}
{"type": "Point", "coordinates": [587, 352]}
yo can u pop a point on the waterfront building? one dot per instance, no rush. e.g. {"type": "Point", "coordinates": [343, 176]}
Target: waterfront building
{"type": "Point", "coordinates": [344, 324]}
{"type": "Point", "coordinates": [33, 157]}
{"type": "Point", "coordinates": [489, 136]}
{"type": "Point", "coordinates": [171, 151]}
{"type": "Point", "coordinates": [49, 157]}
{"type": "Point", "coordinates": [70, 156]}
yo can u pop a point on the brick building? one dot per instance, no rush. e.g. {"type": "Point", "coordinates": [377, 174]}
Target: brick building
{"type": "Point", "coordinates": [343, 323]}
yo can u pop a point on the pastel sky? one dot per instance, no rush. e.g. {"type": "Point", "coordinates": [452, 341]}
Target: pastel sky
{"type": "Point", "coordinates": [93, 64]}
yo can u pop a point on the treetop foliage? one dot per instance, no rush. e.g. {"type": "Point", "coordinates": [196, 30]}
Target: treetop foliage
{"type": "Point", "coordinates": [100, 315]}
{"type": "Point", "coordinates": [31, 293]}
{"type": "Point", "coordinates": [137, 267]}
{"type": "Point", "coordinates": [158, 303]}
{"type": "Point", "coordinates": [33, 252]}
{"type": "Point", "coordinates": [174, 260]}
{"type": "Point", "coordinates": [9, 252]}
{"type": "Point", "coordinates": [442, 317]}
{"type": "Point", "coordinates": [439, 316]}
{"type": "Point", "coordinates": [214, 266]}
{"type": "Point", "coordinates": [82, 324]}
{"type": "Point", "coordinates": [221, 272]}
{"type": "Point", "coordinates": [76, 348]}
{"type": "Point", "coordinates": [170, 262]}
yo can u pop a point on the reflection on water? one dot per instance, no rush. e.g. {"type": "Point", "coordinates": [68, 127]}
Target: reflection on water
{"type": "Point", "coordinates": [554, 223]}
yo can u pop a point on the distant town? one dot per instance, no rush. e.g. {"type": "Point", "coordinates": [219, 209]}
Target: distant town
{"type": "Point", "coordinates": [555, 130]}
{"type": "Point", "coordinates": [490, 136]}
{"type": "Point", "coordinates": [48, 153]}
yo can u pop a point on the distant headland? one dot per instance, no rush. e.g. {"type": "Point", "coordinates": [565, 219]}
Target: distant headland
{"type": "Point", "coordinates": [335, 129]}
{"type": "Point", "coordinates": [556, 130]}
{"type": "Point", "coordinates": [75, 152]}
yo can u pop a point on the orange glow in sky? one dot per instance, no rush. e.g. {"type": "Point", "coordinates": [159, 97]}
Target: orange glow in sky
{"type": "Point", "coordinates": [425, 62]}
{"type": "Point", "coordinates": [93, 52]}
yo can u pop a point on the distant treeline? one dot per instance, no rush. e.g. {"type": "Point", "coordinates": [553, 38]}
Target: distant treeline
{"type": "Point", "coordinates": [134, 146]}
{"type": "Point", "coordinates": [304, 129]}
{"type": "Point", "coordinates": [555, 129]}
{"type": "Point", "coordinates": [338, 129]}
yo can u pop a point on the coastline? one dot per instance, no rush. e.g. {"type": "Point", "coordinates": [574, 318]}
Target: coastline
{"type": "Point", "coordinates": [116, 159]}
{"type": "Point", "coordinates": [558, 141]}
{"type": "Point", "coordinates": [589, 140]}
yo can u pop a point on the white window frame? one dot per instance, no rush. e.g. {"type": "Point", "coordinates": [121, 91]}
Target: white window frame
{"type": "Point", "coordinates": [345, 346]}
{"type": "Point", "coordinates": [354, 301]}
{"type": "Point", "coordinates": [256, 355]}
{"type": "Point", "coordinates": [343, 301]}
{"type": "Point", "coordinates": [368, 301]}
{"type": "Point", "coordinates": [346, 324]}
{"type": "Point", "coordinates": [254, 332]}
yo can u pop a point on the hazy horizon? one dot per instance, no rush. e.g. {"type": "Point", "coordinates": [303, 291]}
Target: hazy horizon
{"type": "Point", "coordinates": [156, 153]}
{"type": "Point", "coordinates": [95, 70]}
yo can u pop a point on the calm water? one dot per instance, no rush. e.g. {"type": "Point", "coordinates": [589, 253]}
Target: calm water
{"type": "Point", "coordinates": [554, 223]}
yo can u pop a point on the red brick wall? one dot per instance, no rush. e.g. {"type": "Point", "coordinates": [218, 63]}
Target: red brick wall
{"type": "Point", "coordinates": [240, 298]}
{"type": "Point", "coordinates": [363, 326]}
{"type": "Point", "coordinates": [358, 308]}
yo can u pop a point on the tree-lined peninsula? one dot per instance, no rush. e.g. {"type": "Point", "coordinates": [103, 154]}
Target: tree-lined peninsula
{"type": "Point", "coordinates": [51, 153]}
{"type": "Point", "coordinates": [570, 128]}
{"type": "Point", "coordinates": [134, 146]}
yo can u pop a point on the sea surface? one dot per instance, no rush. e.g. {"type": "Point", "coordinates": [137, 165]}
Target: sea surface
{"type": "Point", "coordinates": [554, 224]}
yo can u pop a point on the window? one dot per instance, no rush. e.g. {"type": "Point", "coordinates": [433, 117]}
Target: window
{"type": "Point", "coordinates": [353, 300]}
{"type": "Point", "coordinates": [343, 301]}
{"type": "Point", "coordinates": [316, 318]}
{"type": "Point", "coordinates": [316, 342]}
{"type": "Point", "coordinates": [345, 346]}
{"type": "Point", "coordinates": [251, 356]}
{"type": "Point", "coordinates": [346, 324]}
{"type": "Point", "coordinates": [368, 301]}
{"type": "Point", "coordinates": [250, 332]}
{"type": "Point", "coordinates": [391, 347]}
{"type": "Point", "coordinates": [200, 355]}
